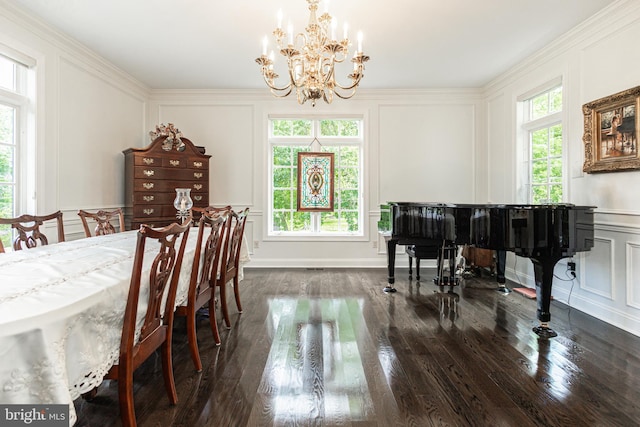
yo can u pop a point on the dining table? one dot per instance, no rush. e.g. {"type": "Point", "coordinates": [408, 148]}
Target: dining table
{"type": "Point", "coordinates": [61, 314]}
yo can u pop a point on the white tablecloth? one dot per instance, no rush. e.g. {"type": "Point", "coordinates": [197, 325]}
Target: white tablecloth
{"type": "Point", "coordinates": [61, 314]}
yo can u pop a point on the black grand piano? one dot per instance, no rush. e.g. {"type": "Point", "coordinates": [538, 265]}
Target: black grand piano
{"type": "Point", "coordinates": [543, 233]}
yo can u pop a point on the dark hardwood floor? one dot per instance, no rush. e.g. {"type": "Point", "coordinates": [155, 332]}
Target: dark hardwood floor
{"type": "Point", "coordinates": [329, 348]}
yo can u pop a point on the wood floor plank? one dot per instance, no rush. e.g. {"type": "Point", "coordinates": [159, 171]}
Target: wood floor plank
{"type": "Point", "coordinates": [326, 347]}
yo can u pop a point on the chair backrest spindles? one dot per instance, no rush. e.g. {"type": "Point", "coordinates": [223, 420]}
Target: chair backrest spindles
{"type": "Point", "coordinates": [203, 276]}
{"type": "Point", "coordinates": [235, 231]}
{"type": "Point", "coordinates": [28, 229]}
{"type": "Point", "coordinates": [102, 219]}
{"type": "Point", "coordinates": [163, 278]}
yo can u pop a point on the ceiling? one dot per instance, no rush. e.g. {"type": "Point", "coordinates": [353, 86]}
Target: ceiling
{"type": "Point", "coordinates": [212, 44]}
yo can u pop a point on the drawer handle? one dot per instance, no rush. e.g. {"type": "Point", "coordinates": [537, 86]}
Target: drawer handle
{"type": "Point", "coordinates": [197, 186]}
{"type": "Point", "coordinates": [147, 160]}
{"type": "Point", "coordinates": [148, 211]}
{"type": "Point", "coordinates": [148, 198]}
{"type": "Point", "coordinates": [197, 174]}
{"type": "Point", "coordinates": [148, 172]}
{"type": "Point", "coordinates": [197, 198]}
{"type": "Point", "coordinates": [147, 185]}
{"type": "Point", "coordinates": [174, 162]}
{"type": "Point", "coordinates": [197, 164]}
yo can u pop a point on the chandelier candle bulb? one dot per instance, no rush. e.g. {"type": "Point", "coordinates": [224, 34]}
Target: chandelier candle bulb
{"type": "Point", "coordinates": [359, 41]}
{"type": "Point", "coordinates": [346, 31]}
{"type": "Point", "coordinates": [290, 31]}
{"type": "Point", "coordinates": [265, 42]}
{"type": "Point", "coordinates": [280, 19]}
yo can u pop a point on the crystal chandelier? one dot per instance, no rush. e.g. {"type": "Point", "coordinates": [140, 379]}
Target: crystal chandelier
{"type": "Point", "coordinates": [311, 57]}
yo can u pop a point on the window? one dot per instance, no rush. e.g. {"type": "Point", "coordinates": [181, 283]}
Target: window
{"type": "Point", "coordinates": [341, 136]}
{"type": "Point", "coordinates": [542, 133]}
{"type": "Point", "coordinates": [14, 107]}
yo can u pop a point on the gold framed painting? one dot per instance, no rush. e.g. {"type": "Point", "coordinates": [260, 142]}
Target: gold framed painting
{"type": "Point", "coordinates": [315, 182]}
{"type": "Point", "coordinates": [611, 126]}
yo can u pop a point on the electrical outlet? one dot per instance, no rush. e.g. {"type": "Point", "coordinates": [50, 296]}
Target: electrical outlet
{"type": "Point", "coordinates": [571, 267]}
{"type": "Point", "coordinates": [374, 244]}
{"type": "Point", "coordinates": [256, 244]}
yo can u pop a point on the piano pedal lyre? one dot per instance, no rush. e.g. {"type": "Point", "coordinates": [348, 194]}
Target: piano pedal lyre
{"type": "Point", "coordinates": [447, 253]}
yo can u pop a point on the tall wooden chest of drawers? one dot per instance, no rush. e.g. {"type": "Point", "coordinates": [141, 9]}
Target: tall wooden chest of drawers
{"type": "Point", "coordinates": [152, 175]}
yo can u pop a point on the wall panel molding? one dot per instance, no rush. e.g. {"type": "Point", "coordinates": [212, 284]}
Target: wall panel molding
{"type": "Point", "coordinates": [633, 274]}
{"type": "Point", "coordinates": [600, 261]}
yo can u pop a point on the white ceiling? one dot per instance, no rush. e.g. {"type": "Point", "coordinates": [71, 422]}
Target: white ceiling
{"type": "Point", "coordinates": [212, 44]}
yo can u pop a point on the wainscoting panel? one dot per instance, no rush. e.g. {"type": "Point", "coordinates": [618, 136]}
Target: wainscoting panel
{"type": "Point", "coordinates": [598, 269]}
{"type": "Point", "coordinates": [633, 274]}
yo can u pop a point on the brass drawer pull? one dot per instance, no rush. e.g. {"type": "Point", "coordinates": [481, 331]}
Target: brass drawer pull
{"type": "Point", "coordinates": [197, 186]}
{"type": "Point", "coordinates": [147, 160]}
{"type": "Point", "coordinates": [197, 164]}
{"type": "Point", "coordinates": [198, 174]}
{"type": "Point", "coordinates": [148, 198]}
{"type": "Point", "coordinates": [174, 162]}
{"type": "Point", "coordinates": [148, 172]}
{"type": "Point", "coordinates": [197, 198]}
{"type": "Point", "coordinates": [148, 211]}
{"type": "Point", "coordinates": [147, 185]}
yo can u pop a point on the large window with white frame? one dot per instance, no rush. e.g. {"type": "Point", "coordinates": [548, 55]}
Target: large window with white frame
{"type": "Point", "coordinates": [15, 99]}
{"type": "Point", "coordinates": [342, 136]}
{"type": "Point", "coordinates": [542, 135]}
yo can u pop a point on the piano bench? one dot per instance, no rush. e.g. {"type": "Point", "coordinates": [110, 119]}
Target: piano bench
{"type": "Point", "coordinates": [420, 252]}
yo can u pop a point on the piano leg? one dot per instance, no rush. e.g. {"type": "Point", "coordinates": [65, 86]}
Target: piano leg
{"type": "Point", "coordinates": [391, 264]}
{"type": "Point", "coordinates": [410, 267]}
{"type": "Point", "coordinates": [501, 262]}
{"type": "Point", "coordinates": [543, 270]}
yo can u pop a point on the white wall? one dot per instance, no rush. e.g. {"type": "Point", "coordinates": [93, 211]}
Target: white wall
{"type": "Point", "coordinates": [594, 60]}
{"type": "Point", "coordinates": [87, 113]}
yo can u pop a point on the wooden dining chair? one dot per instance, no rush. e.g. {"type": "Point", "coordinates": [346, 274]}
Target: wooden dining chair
{"type": "Point", "coordinates": [202, 284]}
{"type": "Point", "coordinates": [230, 261]}
{"type": "Point", "coordinates": [28, 229]}
{"type": "Point", "coordinates": [156, 331]}
{"type": "Point", "coordinates": [102, 220]}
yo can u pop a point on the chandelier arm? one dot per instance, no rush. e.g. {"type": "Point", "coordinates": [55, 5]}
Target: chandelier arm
{"type": "Point", "coordinates": [273, 87]}
{"type": "Point", "coordinates": [331, 73]}
{"type": "Point", "coordinates": [355, 84]}
{"type": "Point", "coordinates": [353, 92]}
{"type": "Point", "coordinates": [292, 79]}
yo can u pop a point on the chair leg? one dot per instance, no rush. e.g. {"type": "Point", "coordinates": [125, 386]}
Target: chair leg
{"type": "Point", "coordinates": [167, 370]}
{"type": "Point", "coordinates": [236, 292]}
{"type": "Point", "coordinates": [223, 304]}
{"type": "Point", "coordinates": [212, 320]}
{"type": "Point", "coordinates": [193, 338]}
{"type": "Point", "coordinates": [125, 397]}
{"type": "Point", "coordinates": [417, 268]}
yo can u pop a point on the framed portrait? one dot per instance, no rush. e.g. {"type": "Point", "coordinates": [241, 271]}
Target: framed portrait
{"type": "Point", "coordinates": [611, 129]}
{"type": "Point", "coordinates": [315, 182]}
